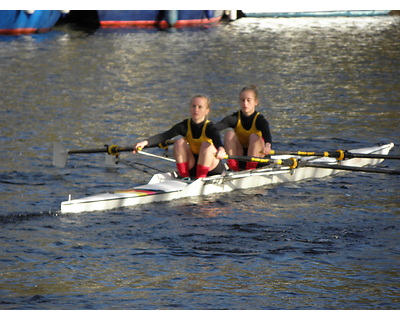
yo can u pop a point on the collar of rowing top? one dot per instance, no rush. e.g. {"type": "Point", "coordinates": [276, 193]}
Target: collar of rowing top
{"type": "Point", "coordinates": [195, 144]}
{"type": "Point", "coordinates": [243, 134]}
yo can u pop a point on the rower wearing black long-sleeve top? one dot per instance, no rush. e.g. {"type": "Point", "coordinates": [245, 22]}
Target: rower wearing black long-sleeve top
{"type": "Point", "coordinates": [251, 135]}
{"type": "Point", "coordinates": [199, 151]}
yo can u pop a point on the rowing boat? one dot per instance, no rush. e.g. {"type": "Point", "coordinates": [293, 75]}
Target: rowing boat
{"type": "Point", "coordinates": [168, 186]}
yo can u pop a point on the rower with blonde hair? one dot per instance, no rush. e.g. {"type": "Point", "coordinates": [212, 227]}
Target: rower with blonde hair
{"type": "Point", "coordinates": [200, 150]}
{"type": "Point", "coordinates": [251, 135]}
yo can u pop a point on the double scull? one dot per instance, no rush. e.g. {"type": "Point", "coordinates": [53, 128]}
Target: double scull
{"type": "Point", "coordinates": [168, 186]}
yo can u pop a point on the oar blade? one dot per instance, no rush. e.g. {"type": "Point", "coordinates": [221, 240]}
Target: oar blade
{"type": "Point", "coordinates": [60, 155]}
{"type": "Point", "coordinates": [110, 161]}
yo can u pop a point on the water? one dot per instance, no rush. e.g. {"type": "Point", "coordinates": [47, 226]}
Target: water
{"type": "Point", "coordinates": [325, 83]}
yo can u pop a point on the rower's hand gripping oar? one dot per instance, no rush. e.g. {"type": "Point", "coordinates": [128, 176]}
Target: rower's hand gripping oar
{"type": "Point", "coordinates": [338, 154]}
{"type": "Point", "coordinates": [60, 153]}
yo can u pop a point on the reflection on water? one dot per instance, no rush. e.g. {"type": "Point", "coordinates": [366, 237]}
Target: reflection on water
{"type": "Point", "coordinates": [325, 83]}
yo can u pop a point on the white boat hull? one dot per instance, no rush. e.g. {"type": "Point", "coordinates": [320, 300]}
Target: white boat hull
{"type": "Point", "coordinates": [166, 186]}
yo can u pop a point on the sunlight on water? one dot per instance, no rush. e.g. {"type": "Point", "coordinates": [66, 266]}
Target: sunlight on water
{"type": "Point", "coordinates": [325, 83]}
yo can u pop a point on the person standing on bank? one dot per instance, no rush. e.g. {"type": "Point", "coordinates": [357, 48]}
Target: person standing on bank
{"type": "Point", "coordinates": [200, 150]}
{"type": "Point", "coordinates": [251, 135]}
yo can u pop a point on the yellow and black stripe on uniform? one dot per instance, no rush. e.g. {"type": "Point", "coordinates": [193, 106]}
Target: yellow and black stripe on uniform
{"type": "Point", "coordinates": [195, 144]}
{"type": "Point", "coordinates": [243, 134]}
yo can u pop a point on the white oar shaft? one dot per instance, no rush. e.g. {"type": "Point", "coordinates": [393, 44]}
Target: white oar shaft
{"type": "Point", "coordinates": [156, 156]}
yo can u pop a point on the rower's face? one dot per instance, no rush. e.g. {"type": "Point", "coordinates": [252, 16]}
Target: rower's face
{"type": "Point", "coordinates": [248, 102]}
{"type": "Point", "coordinates": [199, 109]}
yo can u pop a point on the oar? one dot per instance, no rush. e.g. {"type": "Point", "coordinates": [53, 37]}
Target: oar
{"type": "Point", "coordinates": [155, 156]}
{"type": "Point", "coordinates": [60, 153]}
{"type": "Point", "coordinates": [294, 163]}
{"type": "Point", "coordinates": [348, 168]}
{"type": "Point", "coordinates": [339, 154]}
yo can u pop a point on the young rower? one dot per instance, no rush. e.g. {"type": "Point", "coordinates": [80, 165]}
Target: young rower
{"type": "Point", "coordinates": [199, 151]}
{"type": "Point", "coordinates": [251, 135]}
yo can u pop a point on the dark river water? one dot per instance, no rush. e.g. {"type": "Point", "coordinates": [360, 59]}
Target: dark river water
{"type": "Point", "coordinates": [325, 83]}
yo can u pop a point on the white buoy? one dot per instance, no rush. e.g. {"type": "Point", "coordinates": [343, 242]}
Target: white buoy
{"type": "Point", "coordinates": [232, 15]}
